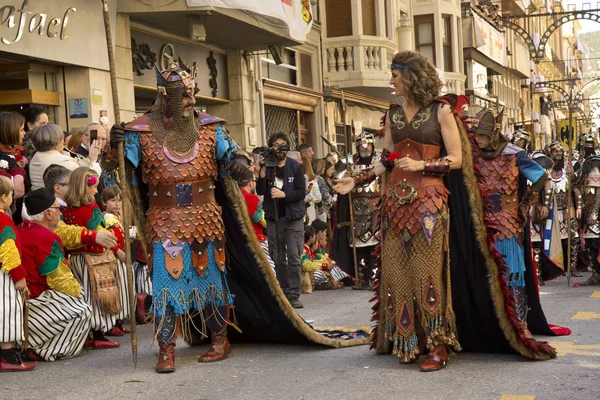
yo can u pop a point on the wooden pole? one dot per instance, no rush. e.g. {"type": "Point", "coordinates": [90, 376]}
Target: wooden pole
{"type": "Point", "coordinates": [124, 186]}
{"type": "Point", "coordinates": [348, 155]}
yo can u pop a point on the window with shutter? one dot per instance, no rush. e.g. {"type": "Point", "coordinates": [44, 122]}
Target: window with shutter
{"type": "Point", "coordinates": [306, 76]}
{"type": "Point", "coordinates": [368, 18]}
{"type": "Point", "coordinates": [424, 36]}
{"type": "Point", "coordinates": [339, 18]}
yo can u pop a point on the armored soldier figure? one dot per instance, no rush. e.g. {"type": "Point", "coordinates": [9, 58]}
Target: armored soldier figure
{"type": "Point", "coordinates": [177, 155]}
{"type": "Point", "coordinates": [540, 206]}
{"type": "Point", "coordinates": [365, 199]}
{"type": "Point", "coordinates": [522, 139]}
{"type": "Point", "coordinates": [502, 165]}
{"type": "Point", "coordinates": [568, 219]}
{"type": "Point", "coordinates": [590, 186]}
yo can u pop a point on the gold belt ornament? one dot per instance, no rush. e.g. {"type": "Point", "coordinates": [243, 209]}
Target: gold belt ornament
{"type": "Point", "coordinates": [405, 197]}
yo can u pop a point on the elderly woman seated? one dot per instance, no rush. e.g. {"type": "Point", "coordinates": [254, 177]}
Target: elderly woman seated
{"type": "Point", "coordinates": [49, 143]}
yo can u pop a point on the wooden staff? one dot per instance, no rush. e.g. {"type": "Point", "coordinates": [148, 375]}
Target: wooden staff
{"type": "Point", "coordinates": [348, 156]}
{"type": "Point", "coordinates": [124, 186]}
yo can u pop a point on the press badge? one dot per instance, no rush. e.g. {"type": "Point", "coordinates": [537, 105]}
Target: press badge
{"type": "Point", "coordinates": [278, 183]}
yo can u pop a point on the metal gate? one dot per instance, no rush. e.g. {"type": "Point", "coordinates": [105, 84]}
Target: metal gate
{"type": "Point", "coordinates": [282, 119]}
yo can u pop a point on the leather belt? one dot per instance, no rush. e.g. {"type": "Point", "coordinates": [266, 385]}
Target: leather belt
{"type": "Point", "coordinates": [167, 195]}
{"type": "Point", "coordinates": [497, 202]}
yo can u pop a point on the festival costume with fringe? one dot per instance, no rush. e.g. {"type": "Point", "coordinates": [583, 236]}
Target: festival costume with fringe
{"type": "Point", "coordinates": [413, 281]}
{"type": "Point", "coordinates": [59, 317]}
{"type": "Point", "coordinates": [172, 170]}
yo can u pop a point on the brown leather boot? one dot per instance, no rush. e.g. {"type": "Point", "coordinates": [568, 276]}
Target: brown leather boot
{"type": "Point", "coordinates": [219, 350]}
{"type": "Point", "coordinates": [166, 357]}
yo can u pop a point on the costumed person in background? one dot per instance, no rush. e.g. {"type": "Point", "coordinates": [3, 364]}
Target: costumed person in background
{"type": "Point", "coordinates": [590, 187]}
{"type": "Point", "coordinates": [365, 199]}
{"type": "Point", "coordinates": [59, 317]}
{"type": "Point", "coordinates": [501, 166]}
{"type": "Point", "coordinates": [12, 286]}
{"type": "Point", "coordinates": [248, 188]}
{"type": "Point", "coordinates": [337, 273]}
{"type": "Point", "coordinates": [568, 219]}
{"type": "Point", "coordinates": [522, 139]}
{"type": "Point", "coordinates": [540, 202]}
{"type": "Point", "coordinates": [94, 266]}
{"type": "Point", "coordinates": [177, 155]}
{"type": "Point", "coordinates": [413, 286]}
{"type": "Point", "coordinates": [111, 200]}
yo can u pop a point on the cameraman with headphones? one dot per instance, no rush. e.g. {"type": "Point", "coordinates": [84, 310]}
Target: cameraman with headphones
{"type": "Point", "coordinates": [281, 182]}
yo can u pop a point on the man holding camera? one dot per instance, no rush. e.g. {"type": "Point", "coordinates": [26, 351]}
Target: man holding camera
{"type": "Point", "coordinates": [281, 182]}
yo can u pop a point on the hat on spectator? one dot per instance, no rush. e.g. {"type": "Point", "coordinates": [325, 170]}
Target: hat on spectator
{"type": "Point", "coordinates": [38, 201]}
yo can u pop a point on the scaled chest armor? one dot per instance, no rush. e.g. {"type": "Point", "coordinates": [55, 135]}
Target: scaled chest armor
{"type": "Point", "coordinates": [181, 187]}
{"type": "Point", "coordinates": [501, 177]}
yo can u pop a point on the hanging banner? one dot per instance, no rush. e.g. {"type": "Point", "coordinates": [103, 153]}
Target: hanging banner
{"type": "Point", "coordinates": [563, 134]}
{"type": "Point", "coordinates": [295, 14]}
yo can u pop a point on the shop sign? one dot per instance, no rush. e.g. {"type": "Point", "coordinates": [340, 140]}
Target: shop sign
{"type": "Point", "coordinates": [70, 32]}
{"type": "Point", "coordinates": [149, 50]}
{"type": "Point", "coordinates": [78, 108]}
{"type": "Point", "coordinates": [21, 21]}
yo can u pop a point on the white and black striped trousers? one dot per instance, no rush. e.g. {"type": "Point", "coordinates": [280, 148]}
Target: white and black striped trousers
{"type": "Point", "coordinates": [100, 321]}
{"type": "Point", "coordinates": [264, 245]}
{"type": "Point", "coordinates": [11, 311]}
{"type": "Point", "coordinates": [143, 284]}
{"type": "Point", "coordinates": [58, 325]}
{"type": "Point", "coordinates": [123, 290]}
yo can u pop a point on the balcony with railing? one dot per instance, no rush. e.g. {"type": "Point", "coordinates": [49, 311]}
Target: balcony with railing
{"type": "Point", "coordinates": [358, 62]}
{"type": "Point", "coordinates": [359, 43]}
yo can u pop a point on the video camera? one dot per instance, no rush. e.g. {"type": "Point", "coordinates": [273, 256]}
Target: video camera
{"type": "Point", "coordinates": [272, 155]}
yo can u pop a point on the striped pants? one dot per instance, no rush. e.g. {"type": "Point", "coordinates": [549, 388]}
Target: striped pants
{"type": "Point", "coordinates": [264, 245]}
{"type": "Point", "coordinates": [100, 321]}
{"type": "Point", "coordinates": [58, 325]}
{"type": "Point", "coordinates": [11, 311]}
{"type": "Point", "coordinates": [143, 283]}
{"type": "Point", "coordinates": [123, 291]}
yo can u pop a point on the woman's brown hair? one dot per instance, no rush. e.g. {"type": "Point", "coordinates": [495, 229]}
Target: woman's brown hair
{"type": "Point", "coordinates": [79, 189]}
{"type": "Point", "coordinates": [318, 166]}
{"type": "Point", "coordinates": [75, 141]}
{"type": "Point", "coordinates": [10, 128]}
{"type": "Point", "coordinates": [308, 169]}
{"type": "Point", "coordinates": [421, 81]}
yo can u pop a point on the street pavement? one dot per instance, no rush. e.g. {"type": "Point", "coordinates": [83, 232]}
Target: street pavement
{"type": "Point", "coordinates": [264, 371]}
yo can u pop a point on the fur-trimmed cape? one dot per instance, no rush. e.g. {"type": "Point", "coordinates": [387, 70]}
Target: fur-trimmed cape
{"type": "Point", "coordinates": [485, 314]}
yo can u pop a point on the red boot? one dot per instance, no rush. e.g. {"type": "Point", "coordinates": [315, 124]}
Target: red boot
{"type": "Point", "coordinates": [166, 357]}
{"type": "Point", "coordinates": [11, 361]}
{"type": "Point", "coordinates": [219, 350]}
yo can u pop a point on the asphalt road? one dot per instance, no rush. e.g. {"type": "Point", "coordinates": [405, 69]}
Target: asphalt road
{"type": "Point", "coordinates": [261, 371]}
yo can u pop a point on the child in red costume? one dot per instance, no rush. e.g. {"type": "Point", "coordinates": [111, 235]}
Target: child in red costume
{"type": "Point", "coordinates": [12, 287]}
{"type": "Point", "coordinates": [111, 200]}
{"type": "Point", "coordinates": [95, 267]}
